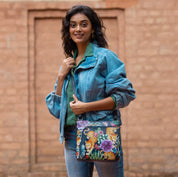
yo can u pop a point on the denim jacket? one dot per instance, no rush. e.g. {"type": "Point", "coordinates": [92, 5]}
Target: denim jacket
{"type": "Point", "coordinates": [100, 76]}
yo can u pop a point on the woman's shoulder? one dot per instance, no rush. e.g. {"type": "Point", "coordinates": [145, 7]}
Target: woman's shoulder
{"type": "Point", "coordinates": [106, 55]}
{"type": "Point", "coordinates": [103, 51]}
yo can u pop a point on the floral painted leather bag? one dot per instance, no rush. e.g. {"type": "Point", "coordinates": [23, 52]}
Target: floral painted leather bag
{"type": "Point", "coordinates": [97, 140]}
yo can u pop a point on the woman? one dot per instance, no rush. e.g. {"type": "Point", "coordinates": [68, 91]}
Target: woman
{"type": "Point", "coordinates": [101, 87]}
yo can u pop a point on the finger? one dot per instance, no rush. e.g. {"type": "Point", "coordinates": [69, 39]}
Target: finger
{"type": "Point", "coordinates": [70, 59]}
{"type": "Point", "coordinates": [70, 62]}
{"type": "Point", "coordinates": [75, 98]}
{"type": "Point", "coordinates": [71, 104]}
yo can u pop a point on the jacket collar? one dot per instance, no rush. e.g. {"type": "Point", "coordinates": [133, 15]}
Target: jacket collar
{"type": "Point", "coordinates": [88, 51]}
{"type": "Point", "coordinates": [90, 60]}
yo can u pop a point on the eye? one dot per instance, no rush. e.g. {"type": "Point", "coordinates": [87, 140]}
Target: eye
{"type": "Point", "coordinates": [72, 25]}
{"type": "Point", "coordinates": [84, 24]}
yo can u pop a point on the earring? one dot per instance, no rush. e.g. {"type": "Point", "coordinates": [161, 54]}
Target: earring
{"type": "Point", "coordinates": [92, 35]}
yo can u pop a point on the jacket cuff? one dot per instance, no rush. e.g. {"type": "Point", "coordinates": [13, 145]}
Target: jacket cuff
{"type": "Point", "coordinates": [114, 99]}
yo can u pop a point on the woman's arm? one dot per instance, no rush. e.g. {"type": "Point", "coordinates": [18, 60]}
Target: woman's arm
{"type": "Point", "coordinates": [60, 83]}
{"type": "Point", "coordinates": [67, 64]}
{"type": "Point", "coordinates": [79, 107]}
{"type": "Point", "coordinates": [53, 99]}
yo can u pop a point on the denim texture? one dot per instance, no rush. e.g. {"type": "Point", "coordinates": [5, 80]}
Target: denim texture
{"type": "Point", "coordinates": [98, 77]}
{"type": "Point", "coordinates": [77, 168]}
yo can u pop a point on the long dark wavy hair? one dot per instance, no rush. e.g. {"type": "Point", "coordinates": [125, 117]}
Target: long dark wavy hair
{"type": "Point", "coordinates": [97, 25]}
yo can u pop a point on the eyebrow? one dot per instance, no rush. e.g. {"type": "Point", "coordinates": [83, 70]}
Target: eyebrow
{"type": "Point", "coordinates": [80, 21]}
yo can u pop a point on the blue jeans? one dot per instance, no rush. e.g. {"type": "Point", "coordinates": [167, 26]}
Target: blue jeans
{"type": "Point", "coordinates": [77, 168]}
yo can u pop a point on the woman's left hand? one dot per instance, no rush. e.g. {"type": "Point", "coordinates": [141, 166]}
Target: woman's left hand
{"type": "Point", "coordinates": [77, 106]}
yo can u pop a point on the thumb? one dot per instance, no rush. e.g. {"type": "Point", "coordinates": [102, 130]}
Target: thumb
{"type": "Point", "coordinates": [75, 98]}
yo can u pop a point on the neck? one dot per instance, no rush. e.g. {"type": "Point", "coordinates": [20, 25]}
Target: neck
{"type": "Point", "coordinates": [81, 49]}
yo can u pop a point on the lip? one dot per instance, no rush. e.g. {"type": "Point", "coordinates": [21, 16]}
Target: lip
{"type": "Point", "coordinates": [78, 36]}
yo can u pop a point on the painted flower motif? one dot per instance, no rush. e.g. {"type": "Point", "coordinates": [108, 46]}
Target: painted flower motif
{"type": "Point", "coordinates": [77, 154]}
{"type": "Point", "coordinates": [87, 156]}
{"type": "Point", "coordinates": [106, 145]}
{"type": "Point", "coordinates": [113, 124]}
{"type": "Point", "coordinates": [101, 132]}
{"type": "Point", "coordinates": [95, 134]}
{"type": "Point", "coordinates": [82, 124]}
{"type": "Point", "coordinates": [97, 147]}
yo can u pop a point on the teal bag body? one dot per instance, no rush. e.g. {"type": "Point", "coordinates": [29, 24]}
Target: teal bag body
{"type": "Point", "coordinates": [98, 140]}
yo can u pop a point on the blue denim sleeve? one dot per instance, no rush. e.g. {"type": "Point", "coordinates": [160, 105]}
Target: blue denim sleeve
{"type": "Point", "coordinates": [117, 83]}
{"type": "Point", "coordinates": [53, 103]}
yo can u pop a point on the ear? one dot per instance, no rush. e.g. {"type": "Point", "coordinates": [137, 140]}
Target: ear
{"type": "Point", "coordinates": [92, 34]}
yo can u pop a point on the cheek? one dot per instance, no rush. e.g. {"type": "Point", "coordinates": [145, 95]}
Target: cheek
{"type": "Point", "coordinates": [88, 32]}
{"type": "Point", "coordinates": [70, 31]}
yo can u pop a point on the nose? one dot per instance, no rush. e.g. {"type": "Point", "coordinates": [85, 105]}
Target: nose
{"type": "Point", "coordinates": [78, 28]}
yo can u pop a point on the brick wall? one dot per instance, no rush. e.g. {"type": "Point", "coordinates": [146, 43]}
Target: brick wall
{"type": "Point", "coordinates": [13, 90]}
{"type": "Point", "coordinates": [152, 60]}
{"type": "Point", "coordinates": [151, 29]}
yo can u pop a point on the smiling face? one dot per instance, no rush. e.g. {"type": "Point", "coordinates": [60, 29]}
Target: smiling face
{"type": "Point", "coordinates": [80, 29]}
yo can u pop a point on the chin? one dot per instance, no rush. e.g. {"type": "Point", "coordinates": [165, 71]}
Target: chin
{"type": "Point", "coordinates": [81, 41]}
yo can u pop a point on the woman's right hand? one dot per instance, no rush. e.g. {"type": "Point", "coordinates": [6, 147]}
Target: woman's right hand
{"type": "Point", "coordinates": [67, 64]}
